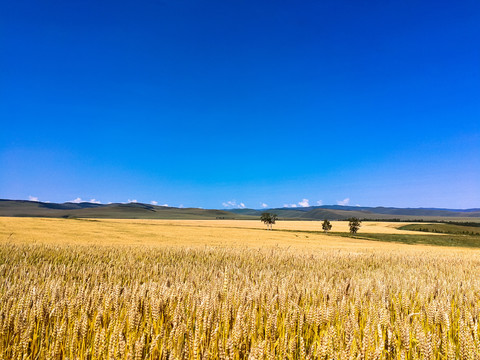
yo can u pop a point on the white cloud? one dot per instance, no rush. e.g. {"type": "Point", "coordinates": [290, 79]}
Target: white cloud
{"type": "Point", "coordinates": [153, 202]}
{"type": "Point", "coordinates": [32, 198]}
{"type": "Point", "coordinates": [319, 202]}
{"type": "Point", "coordinates": [132, 201]}
{"type": "Point", "coordinates": [343, 202]}
{"type": "Point", "coordinates": [304, 203]}
{"type": "Point", "coordinates": [180, 206]}
{"type": "Point", "coordinates": [233, 205]}
{"type": "Point", "coordinates": [79, 200]}
{"type": "Point", "coordinates": [264, 205]}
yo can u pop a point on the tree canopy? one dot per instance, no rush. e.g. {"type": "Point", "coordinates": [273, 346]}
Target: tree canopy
{"type": "Point", "coordinates": [326, 225]}
{"type": "Point", "coordinates": [269, 219]}
{"type": "Point", "coordinates": [354, 224]}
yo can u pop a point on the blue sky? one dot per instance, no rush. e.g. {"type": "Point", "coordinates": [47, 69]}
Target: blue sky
{"type": "Point", "coordinates": [241, 103]}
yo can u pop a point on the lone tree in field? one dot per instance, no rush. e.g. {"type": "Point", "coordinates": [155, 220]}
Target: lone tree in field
{"type": "Point", "coordinates": [326, 226]}
{"type": "Point", "coordinates": [354, 225]}
{"type": "Point", "coordinates": [268, 219]}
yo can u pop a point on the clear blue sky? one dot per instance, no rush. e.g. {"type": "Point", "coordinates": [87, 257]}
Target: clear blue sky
{"type": "Point", "coordinates": [201, 103]}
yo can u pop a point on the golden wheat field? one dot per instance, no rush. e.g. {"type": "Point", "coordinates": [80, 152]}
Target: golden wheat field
{"type": "Point", "coordinates": [163, 289]}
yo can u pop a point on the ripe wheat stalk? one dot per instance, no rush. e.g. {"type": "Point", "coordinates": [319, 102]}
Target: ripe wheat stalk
{"type": "Point", "coordinates": [92, 302]}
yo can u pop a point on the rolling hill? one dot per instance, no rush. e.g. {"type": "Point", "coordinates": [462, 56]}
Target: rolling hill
{"type": "Point", "coordinates": [337, 212]}
{"type": "Point", "coordinates": [23, 208]}
{"type": "Point", "coordinates": [113, 211]}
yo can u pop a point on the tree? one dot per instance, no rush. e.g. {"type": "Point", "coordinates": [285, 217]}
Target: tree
{"type": "Point", "coordinates": [354, 225]}
{"type": "Point", "coordinates": [268, 219]}
{"type": "Point", "coordinates": [326, 226]}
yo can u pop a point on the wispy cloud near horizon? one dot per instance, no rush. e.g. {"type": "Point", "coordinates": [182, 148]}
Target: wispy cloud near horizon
{"type": "Point", "coordinates": [79, 200]}
{"type": "Point", "coordinates": [302, 203]}
{"type": "Point", "coordinates": [343, 202]}
{"type": "Point", "coordinates": [233, 205]}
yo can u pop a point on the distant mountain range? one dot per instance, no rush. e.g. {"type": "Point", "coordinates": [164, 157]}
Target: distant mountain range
{"type": "Point", "coordinates": [145, 211]}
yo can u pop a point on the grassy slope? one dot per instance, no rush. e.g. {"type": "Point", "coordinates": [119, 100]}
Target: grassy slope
{"type": "Point", "coordinates": [447, 240]}
{"type": "Point", "coordinates": [321, 214]}
{"type": "Point", "coordinates": [443, 228]}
